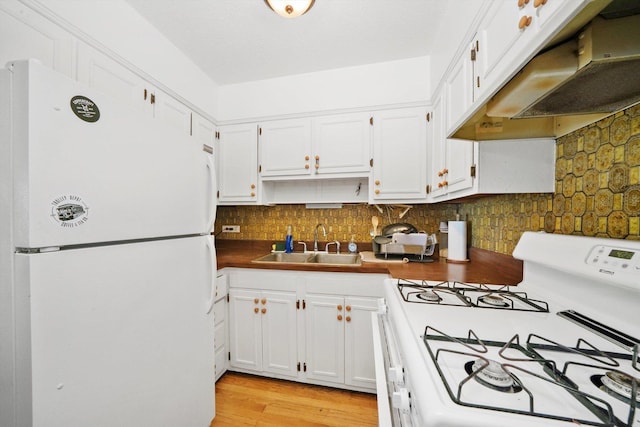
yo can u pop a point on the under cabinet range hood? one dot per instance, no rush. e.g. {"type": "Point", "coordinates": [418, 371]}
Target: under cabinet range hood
{"type": "Point", "coordinates": [587, 74]}
{"type": "Point", "coordinates": [598, 71]}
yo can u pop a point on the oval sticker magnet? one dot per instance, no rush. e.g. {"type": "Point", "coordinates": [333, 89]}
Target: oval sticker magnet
{"type": "Point", "coordinates": [85, 109]}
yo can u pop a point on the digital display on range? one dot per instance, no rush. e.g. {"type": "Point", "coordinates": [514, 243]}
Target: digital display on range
{"type": "Point", "coordinates": [617, 253]}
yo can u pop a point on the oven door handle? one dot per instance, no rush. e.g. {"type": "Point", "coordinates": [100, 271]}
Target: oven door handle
{"type": "Point", "coordinates": [384, 409]}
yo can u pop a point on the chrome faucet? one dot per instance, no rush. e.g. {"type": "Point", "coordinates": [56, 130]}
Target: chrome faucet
{"type": "Point", "coordinates": [315, 236]}
{"type": "Point", "coordinates": [326, 248]}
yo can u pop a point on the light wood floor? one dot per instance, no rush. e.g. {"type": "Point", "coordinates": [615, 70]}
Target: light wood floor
{"type": "Point", "coordinates": [247, 400]}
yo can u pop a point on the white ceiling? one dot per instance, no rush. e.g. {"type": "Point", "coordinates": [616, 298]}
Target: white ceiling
{"type": "Point", "coordinates": [235, 41]}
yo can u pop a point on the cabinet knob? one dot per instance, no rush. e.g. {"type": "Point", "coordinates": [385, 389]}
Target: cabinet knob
{"type": "Point", "coordinates": [317, 157]}
{"type": "Point", "coordinates": [377, 191]}
{"type": "Point", "coordinates": [339, 317]}
{"type": "Point", "coordinates": [253, 186]}
{"type": "Point", "coordinates": [256, 300]}
{"type": "Point", "coordinates": [306, 157]}
{"type": "Point", "coordinates": [524, 22]}
{"type": "Point", "coordinates": [255, 310]}
{"type": "Point", "coordinates": [339, 307]}
{"type": "Point", "coordinates": [306, 166]}
{"type": "Point", "coordinates": [264, 310]}
{"type": "Point", "coordinates": [263, 301]}
{"type": "Point", "coordinates": [440, 173]}
{"type": "Point", "coordinates": [377, 182]}
{"type": "Point", "coordinates": [440, 184]}
{"type": "Point", "coordinates": [445, 183]}
{"type": "Point", "coordinates": [348, 308]}
{"type": "Point", "coordinates": [317, 166]}
{"type": "Point", "coordinates": [522, 3]}
{"type": "Point", "coordinates": [348, 319]}
{"type": "Point", "coordinates": [253, 194]}
{"type": "Point", "coordinates": [538, 3]}
{"type": "Point", "coordinates": [445, 171]}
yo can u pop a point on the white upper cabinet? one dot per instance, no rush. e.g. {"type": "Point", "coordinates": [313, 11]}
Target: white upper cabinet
{"type": "Point", "coordinates": [237, 161]}
{"type": "Point", "coordinates": [336, 146]}
{"type": "Point", "coordinates": [26, 34]}
{"type": "Point", "coordinates": [172, 111]}
{"type": "Point", "coordinates": [399, 156]}
{"type": "Point", "coordinates": [341, 145]}
{"type": "Point", "coordinates": [451, 159]}
{"type": "Point", "coordinates": [285, 148]}
{"type": "Point", "coordinates": [459, 87]}
{"type": "Point", "coordinates": [101, 72]}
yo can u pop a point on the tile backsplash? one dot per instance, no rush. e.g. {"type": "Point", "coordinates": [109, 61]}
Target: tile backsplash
{"type": "Point", "coordinates": [597, 194]}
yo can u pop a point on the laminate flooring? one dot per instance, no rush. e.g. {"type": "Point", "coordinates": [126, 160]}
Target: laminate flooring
{"type": "Point", "coordinates": [247, 400]}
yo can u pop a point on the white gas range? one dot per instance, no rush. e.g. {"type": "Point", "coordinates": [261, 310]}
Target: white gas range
{"type": "Point", "coordinates": [561, 348]}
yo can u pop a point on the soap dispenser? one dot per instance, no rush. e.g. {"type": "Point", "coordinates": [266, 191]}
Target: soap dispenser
{"type": "Point", "coordinates": [288, 242]}
{"type": "Point", "coordinates": [353, 248]}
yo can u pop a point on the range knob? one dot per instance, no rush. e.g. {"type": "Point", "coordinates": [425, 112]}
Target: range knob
{"type": "Point", "coordinates": [401, 400]}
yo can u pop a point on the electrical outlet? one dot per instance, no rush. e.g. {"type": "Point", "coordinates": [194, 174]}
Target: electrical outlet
{"type": "Point", "coordinates": [230, 228]}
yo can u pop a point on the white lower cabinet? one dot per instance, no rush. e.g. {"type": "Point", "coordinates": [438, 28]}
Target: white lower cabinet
{"type": "Point", "coordinates": [263, 331]}
{"type": "Point", "coordinates": [221, 325]}
{"type": "Point", "coordinates": [339, 340]}
{"type": "Point", "coordinates": [312, 327]}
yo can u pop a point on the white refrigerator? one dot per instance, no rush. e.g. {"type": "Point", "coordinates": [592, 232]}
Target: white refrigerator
{"type": "Point", "coordinates": [107, 263]}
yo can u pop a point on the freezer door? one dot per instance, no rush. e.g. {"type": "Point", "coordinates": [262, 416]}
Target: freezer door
{"type": "Point", "coordinates": [87, 168]}
{"type": "Point", "coordinates": [119, 335]}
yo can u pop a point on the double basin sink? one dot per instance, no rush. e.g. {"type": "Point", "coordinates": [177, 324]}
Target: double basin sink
{"type": "Point", "coordinates": [313, 258]}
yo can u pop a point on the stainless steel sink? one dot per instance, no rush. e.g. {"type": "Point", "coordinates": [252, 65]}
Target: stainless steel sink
{"type": "Point", "coordinates": [280, 257]}
{"type": "Point", "coordinates": [341, 259]}
{"type": "Point", "coordinates": [317, 258]}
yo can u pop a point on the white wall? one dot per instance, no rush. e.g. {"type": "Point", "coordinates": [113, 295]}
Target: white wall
{"type": "Point", "coordinates": [119, 27]}
{"type": "Point", "coordinates": [395, 82]}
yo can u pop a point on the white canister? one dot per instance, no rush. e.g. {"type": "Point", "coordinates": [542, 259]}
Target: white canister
{"type": "Point", "coordinates": [457, 241]}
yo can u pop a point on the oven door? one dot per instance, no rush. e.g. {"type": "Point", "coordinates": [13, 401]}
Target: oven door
{"type": "Point", "coordinates": [394, 407]}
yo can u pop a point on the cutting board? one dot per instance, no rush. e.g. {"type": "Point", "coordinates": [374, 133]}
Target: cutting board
{"type": "Point", "coordinates": [371, 257]}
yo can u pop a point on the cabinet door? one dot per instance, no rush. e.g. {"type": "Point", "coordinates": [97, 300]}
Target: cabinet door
{"type": "Point", "coordinates": [459, 159]}
{"type": "Point", "coordinates": [341, 144]}
{"type": "Point", "coordinates": [279, 333]}
{"type": "Point", "coordinates": [237, 164]}
{"type": "Point", "coordinates": [27, 34]}
{"type": "Point", "coordinates": [399, 154]}
{"type": "Point", "coordinates": [325, 338]}
{"type": "Point", "coordinates": [245, 332]}
{"type": "Point", "coordinates": [171, 111]}
{"type": "Point", "coordinates": [203, 132]}
{"type": "Point", "coordinates": [437, 150]}
{"type": "Point", "coordinates": [459, 90]}
{"type": "Point", "coordinates": [100, 72]}
{"type": "Point", "coordinates": [358, 348]}
{"type": "Point", "coordinates": [497, 36]}
{"type": "Point", "coordinates": [285, 148]}
{"type": "Point", "coordinates": [220, 341]}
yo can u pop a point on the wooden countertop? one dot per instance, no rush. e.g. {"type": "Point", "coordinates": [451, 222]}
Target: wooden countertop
{"type": "Point", "coordinates": [484, 266]}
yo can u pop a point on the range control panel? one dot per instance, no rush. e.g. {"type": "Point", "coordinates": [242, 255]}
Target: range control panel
{"type": "Point", "coordinates": [611, 259]}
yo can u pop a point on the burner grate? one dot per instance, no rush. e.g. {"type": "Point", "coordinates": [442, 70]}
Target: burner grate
{"type": "Point", "coordinates": [468, 295]}
{"type": "Point", "coordinates": [529, 372]}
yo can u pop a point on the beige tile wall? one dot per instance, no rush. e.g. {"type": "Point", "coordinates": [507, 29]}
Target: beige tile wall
{"type": "Point", "coordinates": [597, 194]}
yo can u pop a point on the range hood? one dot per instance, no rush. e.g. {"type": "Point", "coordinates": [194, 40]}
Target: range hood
{"type": "Point", "coordinates": [594, 73]}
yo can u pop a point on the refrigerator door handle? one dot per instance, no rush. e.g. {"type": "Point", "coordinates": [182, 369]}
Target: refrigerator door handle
{"type": "Point", "coordinates": [212, 275]}
{"type": "Point", "coordinates": [211, 214]}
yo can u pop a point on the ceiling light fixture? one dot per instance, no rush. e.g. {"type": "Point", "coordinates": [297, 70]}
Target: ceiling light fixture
{"type": "Point", "coordinates": [290, 8]}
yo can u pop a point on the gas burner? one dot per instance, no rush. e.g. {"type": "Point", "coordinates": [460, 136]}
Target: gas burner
{"type": "Point", "coordinates": [617, 384]}
{"type": "Point", "coordinates": [429, 296]}
{"type": "Point", "coordinates": [491, 374]}
{"type": "Point", "coordinates": [493, 300]}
